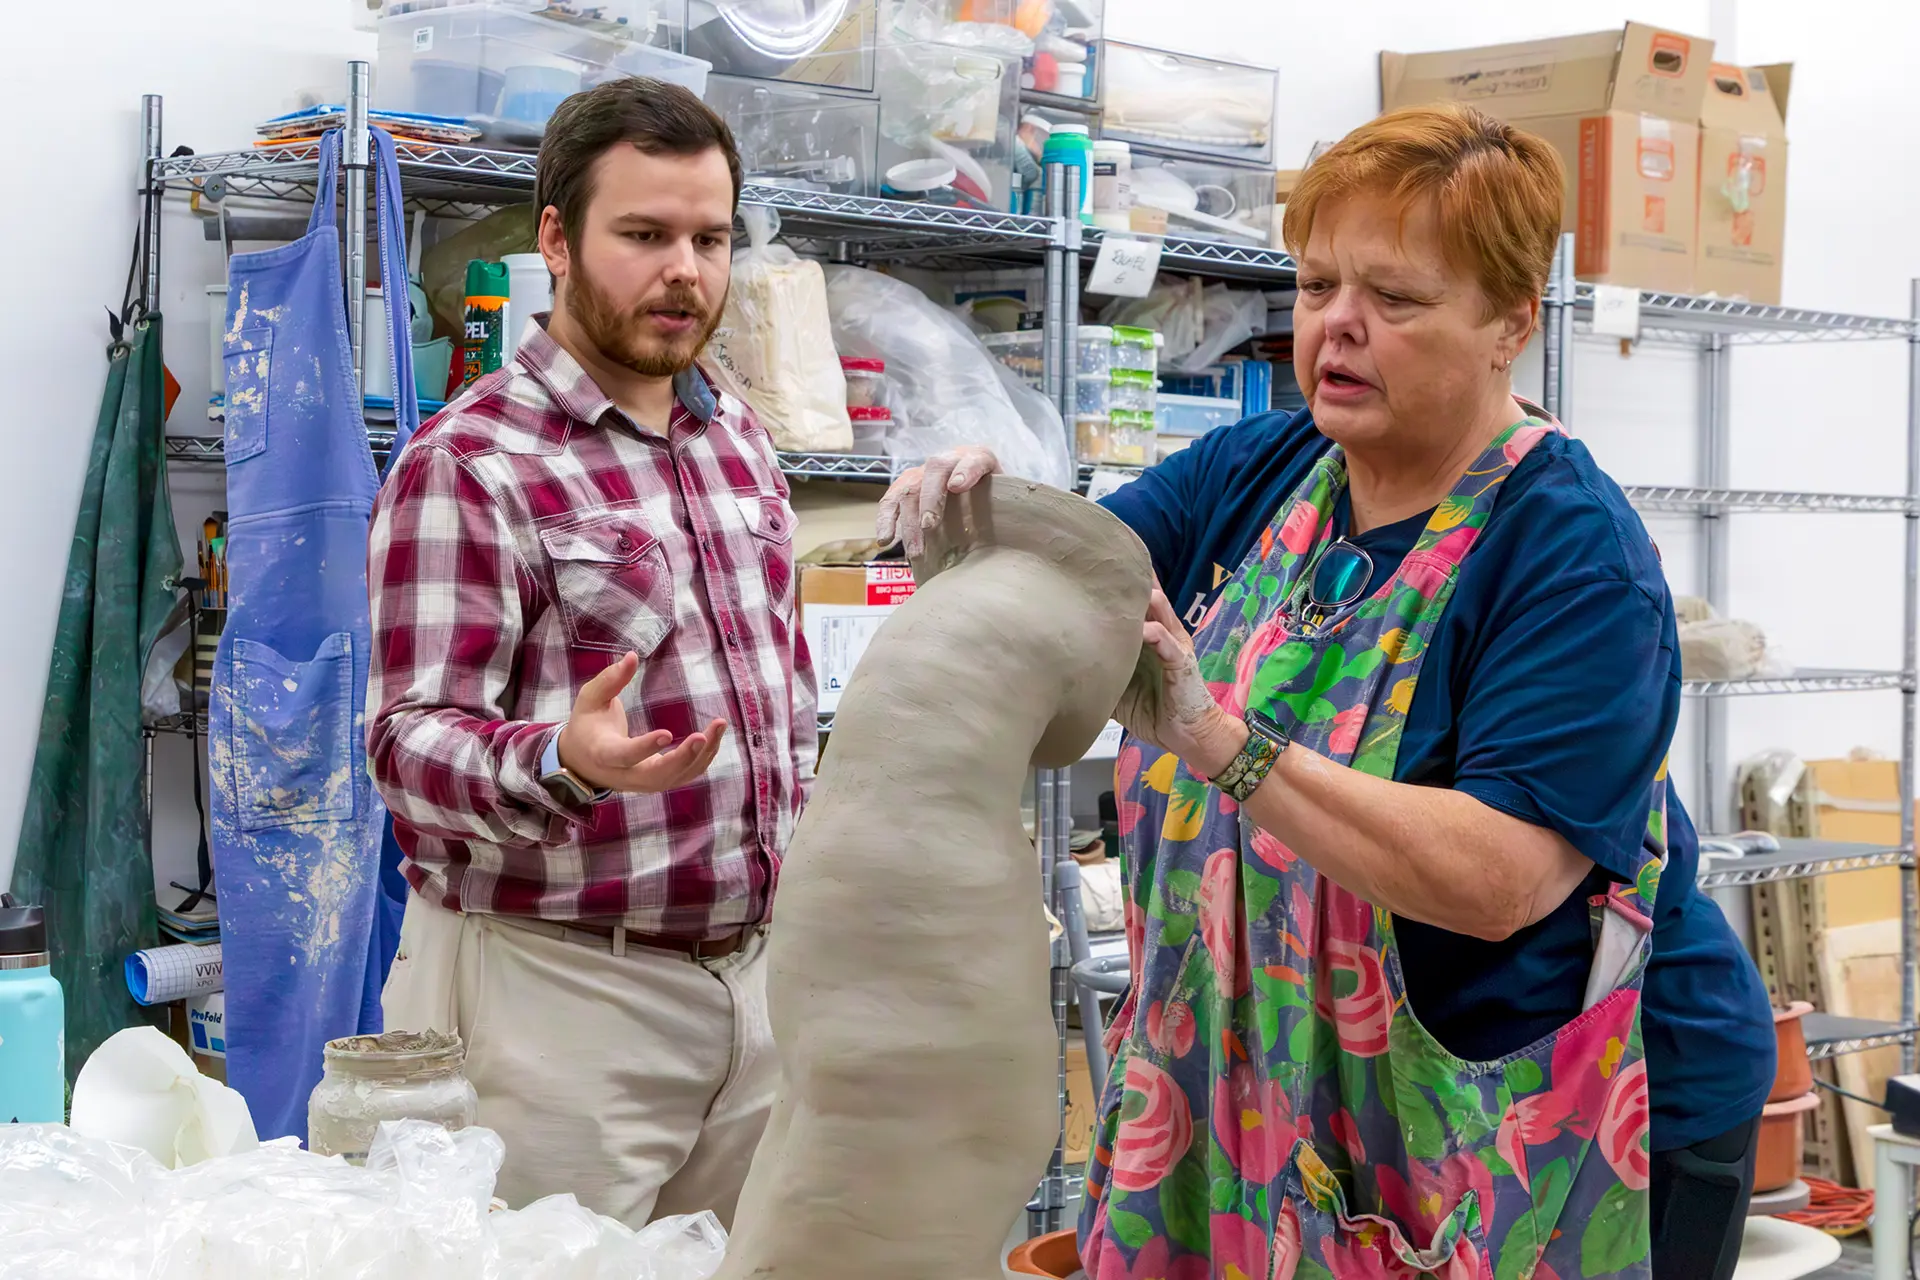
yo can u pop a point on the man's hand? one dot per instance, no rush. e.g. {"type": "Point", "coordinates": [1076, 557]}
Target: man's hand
{"type": "Point", "coordinates": [595, 746]}
{"type": "Point", "coordinates": [915, 502]}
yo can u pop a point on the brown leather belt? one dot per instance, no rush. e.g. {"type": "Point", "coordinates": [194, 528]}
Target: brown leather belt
{"type": "Point", "coordinates": [617, 938]}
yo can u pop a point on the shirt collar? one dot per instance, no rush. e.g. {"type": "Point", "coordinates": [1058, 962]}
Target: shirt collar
{"type": "Point", "coordinates": [576, 393]}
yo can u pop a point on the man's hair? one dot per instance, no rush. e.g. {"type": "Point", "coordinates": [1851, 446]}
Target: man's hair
{"type": "Point", "coordinates": [650, 115]}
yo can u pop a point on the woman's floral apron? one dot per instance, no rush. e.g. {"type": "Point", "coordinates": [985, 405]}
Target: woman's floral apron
{"type": "Point", "coordinates": [1275, 1109]}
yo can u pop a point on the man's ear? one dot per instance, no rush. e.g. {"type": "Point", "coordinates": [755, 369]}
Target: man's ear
{"type": "Point", "coordinates": [553, 243]}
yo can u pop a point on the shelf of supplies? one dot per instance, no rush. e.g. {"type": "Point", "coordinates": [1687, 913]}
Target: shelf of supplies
{"type": "Point", "coordinates": [1831, 1037]}
{"type": "Point", "coordinates": [1684, 316]}
{"type": "Point", "coordinates": [1810, 681]}
{"type": "Point", "coordinates": [453, 178]}
{"type": "Point", "coordinates": [1797, 860]}
{"type": "Point", "coordinates": [1695, 501]}
{"type": "Point", "coordinates": [1223, 259]}
{"type": "Point", "coordinates": [211, 451]}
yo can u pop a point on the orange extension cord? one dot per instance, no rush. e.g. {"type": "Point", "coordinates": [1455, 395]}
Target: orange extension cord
{"type": "Point", "coordinates": [1836, 1210]}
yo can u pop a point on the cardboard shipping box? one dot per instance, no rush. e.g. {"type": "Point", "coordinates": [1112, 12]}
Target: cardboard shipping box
{"type": "Point", "coordinates": [841, 607]}
{"type": "Point", "coordinates": [1743, 182]}
{"type": "Point", "coordinates": [1621, 107]}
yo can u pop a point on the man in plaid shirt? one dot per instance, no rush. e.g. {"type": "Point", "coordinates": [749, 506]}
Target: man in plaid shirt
{"type": "Point", "coordinates": [595, 713]}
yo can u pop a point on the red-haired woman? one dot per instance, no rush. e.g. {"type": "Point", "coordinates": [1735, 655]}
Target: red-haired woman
{"type": "Point", "coordinates": [1416, 945]}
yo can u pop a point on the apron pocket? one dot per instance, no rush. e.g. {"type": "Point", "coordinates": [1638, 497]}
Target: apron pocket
{"type": "Point", "coordinates": [249, 361]}
{"type": "Point", "coordinates": [613, 585]}
{"type": "Point", "coordinates": [293, 735]}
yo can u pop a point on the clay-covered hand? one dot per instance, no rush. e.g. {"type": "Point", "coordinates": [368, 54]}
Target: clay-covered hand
{"type": "Point", "coordinates": [596, 747]}
{"type": "Point", "coordinates": [1169, 705]}
{"type": "Point", "coordinates": [915, 502]}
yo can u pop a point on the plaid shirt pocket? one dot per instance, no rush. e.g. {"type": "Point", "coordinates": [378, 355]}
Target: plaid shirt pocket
{"type": "Point", "coordinates": [612, 582]}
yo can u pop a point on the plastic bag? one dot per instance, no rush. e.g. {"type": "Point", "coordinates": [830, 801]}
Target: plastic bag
{"type": "Point", "coordinates": [83, 1209]}
{"type": "Point", "coordinates": [947, 390]}
{"type": "Point", "coordinates": [774, 347]}
{"type": "Point", "coordinates": [443, 268]}
{"type": "Point", "coordinates": [1197, 322]}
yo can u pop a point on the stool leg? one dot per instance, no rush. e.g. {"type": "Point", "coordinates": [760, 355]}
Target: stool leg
{"type": "Point", "coordinates": [1893, 1201]}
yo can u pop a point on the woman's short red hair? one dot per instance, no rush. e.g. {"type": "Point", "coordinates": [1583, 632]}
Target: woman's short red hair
{"type": "Point", "coordinates": [1496, 189]}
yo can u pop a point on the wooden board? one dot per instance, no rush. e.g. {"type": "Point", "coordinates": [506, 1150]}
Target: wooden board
{"type": "Point", "coordinates": [1860, 969]}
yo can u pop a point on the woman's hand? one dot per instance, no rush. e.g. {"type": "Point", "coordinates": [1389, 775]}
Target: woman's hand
{"type": "Point", "coordinates": [1169, 705]}
{"type": "Point", "coordinates": [915, 502]}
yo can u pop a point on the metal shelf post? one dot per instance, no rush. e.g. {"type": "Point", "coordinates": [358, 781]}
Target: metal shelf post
{"type": "Point", "coordinates": [1910, 651]}
{"type": "Point", "coordinates": [151, 190]}
{"type": "Point", "coordinates": [1716, 468]}
{"type": "Point", "coordinates": [357, 161]}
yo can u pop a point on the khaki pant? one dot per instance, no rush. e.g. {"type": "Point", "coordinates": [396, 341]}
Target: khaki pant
{"type": "Point", "coordinates": [640, 1083]}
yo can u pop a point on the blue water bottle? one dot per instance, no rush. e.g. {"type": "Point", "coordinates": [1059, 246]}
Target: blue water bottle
{"type": "Point", "coordinates": [33, 1021]}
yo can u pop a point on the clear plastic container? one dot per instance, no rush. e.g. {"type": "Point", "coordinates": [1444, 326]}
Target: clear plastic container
{"type": "Point", "coordinates": [866, 382]}
{"type": "Point", "coordinates": [1023, 352]}
{"type": "Point", "coordinates": [402, 1075]}
{"type": "Point", "coordinates": [1104, 348]}
{"type": "Point", "coordinates": [1124, 437]}
{"type": "Point", "coordinates": [872, 424]}
{"type": "Point", "coordinates": [830, 45]}
{"type": "Point", "coordinates": [794, 136]}
{"type": "Point", "coordinates": [1195, 415]}
{"type": "Point", "coordinates": [1117, 389]}
{"type": "Point", "coordinates": [948, 115]}
{"type": "Point", "coordinates": [505, 69]}
{"type": "Point", "coordinates": [1194, 104]}
{"type": "Point", "coordinates": [1205, 200]}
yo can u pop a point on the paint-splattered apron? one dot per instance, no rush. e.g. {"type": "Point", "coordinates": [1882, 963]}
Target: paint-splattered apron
{"type": "Point", "coordinates": [1275, 1110]}
{"type": "Point", "coordinates": [296, 824]}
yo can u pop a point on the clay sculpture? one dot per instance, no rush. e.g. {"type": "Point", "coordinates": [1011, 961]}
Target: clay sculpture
{"type": "Point", "coordinates": [908, 963]}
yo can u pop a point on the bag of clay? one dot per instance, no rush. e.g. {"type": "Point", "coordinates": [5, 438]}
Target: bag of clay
{"type": "Point", "coordinates": [774, 347]}
{"type": "Point", "coordinates": [946, 388]}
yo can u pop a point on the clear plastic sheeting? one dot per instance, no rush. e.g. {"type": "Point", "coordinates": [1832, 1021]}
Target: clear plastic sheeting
{"type": "Point", "coordinates": [78, 1208]}
{"type": "Point", "coordinates": [945, 388]}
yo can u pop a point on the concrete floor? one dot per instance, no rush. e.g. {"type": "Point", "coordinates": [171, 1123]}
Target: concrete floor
{"type": "Point", "coordinates": [1856, 1261]}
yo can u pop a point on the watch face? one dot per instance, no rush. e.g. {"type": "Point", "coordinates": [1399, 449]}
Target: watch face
{"type": "Point", "coordinates": [1269, 728]}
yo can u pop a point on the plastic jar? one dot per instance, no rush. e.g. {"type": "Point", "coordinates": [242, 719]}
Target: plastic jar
{"type": "Point", "coordinates": [401, 1075]}
{"type": "Point", "coordinates": [1112, 185]}
{"type": "Point", "coordinates": [866, 381]}
{"type": "Point", "coordinates": [872, 424]}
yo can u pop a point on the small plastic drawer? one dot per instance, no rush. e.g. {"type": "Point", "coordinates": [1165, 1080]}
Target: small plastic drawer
{"type": "Point", "coordinates": [1195, 415]}
{"type": "Point", "coordinates": [948, 115]}
{"type": "Point", "coordinates": [1104, 348]}
{"type": "Point", "coordinates": [794, 136]}
{"type": "Point", "coordinates": [1023, 352]}
{"type": "Point", "coordinates": [1122, 438]}
{"type": "Point", "coordinates": [1207, 201]}
{"type": "Point", "coordinates": [830, 45]}
{"type": "Point", "coordinates": [1160, 98]}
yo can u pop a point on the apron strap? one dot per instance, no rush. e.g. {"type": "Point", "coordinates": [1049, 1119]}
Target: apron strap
{"type": "Point", "coordinates": [326, 184]}
{"type": "Point", "coordinates": [391, 217]}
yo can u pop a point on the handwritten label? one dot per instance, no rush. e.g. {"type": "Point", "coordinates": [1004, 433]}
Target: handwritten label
{"type": "Point", "coordinates": [1125, 268]}
{"type": "Point", "coordinates": [1106, 480]}
{"type": "Point", "coordinates": [1616, 311]}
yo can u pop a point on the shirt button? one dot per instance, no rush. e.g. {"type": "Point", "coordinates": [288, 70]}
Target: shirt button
{"type": "Point", "coordinates": [706, 545]}
{"type": "Point", "coordinates": [624, 545]}
{"type": "Point", "coordinates": [756, 739]}
{"type": "Point", "coordinates": [733, 640]}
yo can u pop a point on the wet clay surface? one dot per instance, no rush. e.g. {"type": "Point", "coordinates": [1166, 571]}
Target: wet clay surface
{"type": "Point", "coordinates": [908, 959]}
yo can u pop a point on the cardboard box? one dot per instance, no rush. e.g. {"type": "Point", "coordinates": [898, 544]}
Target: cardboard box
{"type": "Point", "coordinates": [1622, 108]}
{"type": "Point", "coordinates": [1743, 182]}
{"type": "Point", "coordinates": [841, 608]}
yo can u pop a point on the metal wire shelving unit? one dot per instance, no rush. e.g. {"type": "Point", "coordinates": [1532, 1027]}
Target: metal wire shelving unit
{"type": "Point", "coordinates": [467, 182]}
{"type": "Point", "coordinates": [1716, 327]}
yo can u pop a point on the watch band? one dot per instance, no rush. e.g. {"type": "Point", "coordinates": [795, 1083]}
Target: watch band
{"type": "Point", "coordinates": [562, 783]}
{"type": "Point", "coordinates": [1265, 741]}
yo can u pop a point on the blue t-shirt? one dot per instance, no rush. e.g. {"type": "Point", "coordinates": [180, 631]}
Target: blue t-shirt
{"type": "Point", "coordinates": [1550, 692]}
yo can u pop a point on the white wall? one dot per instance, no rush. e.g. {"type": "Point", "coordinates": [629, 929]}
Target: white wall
{"type": "Point", "coordinates": [1827, 589]}
{"type": "Point", "coordinates": [73, 107]}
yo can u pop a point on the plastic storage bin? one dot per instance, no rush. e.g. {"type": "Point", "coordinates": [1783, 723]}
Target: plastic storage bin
{"type": "Point", "coordinates": [1205, 201]}
{"type": "Point", "coordinates": [1104, 348]}
{"type": "Point", "coordinates": [947, 120]}
{"type": "Point", "coordinates": [1166, 99]}
{"type": "Point", "coordinates": [1195, 415]}
{"type": "Point", "coordinates": [1118, 389]}
{"type": "Point", "coordinates": [795, 136]}
{"type": "Point", "coordinates": [1124, 437]}
{"type": "Point", "coordinates": [830, 45]}
{"type": "Point", "coordinates": [504, 69]}
{"type": "Point", "coordinates": [1023, 352]}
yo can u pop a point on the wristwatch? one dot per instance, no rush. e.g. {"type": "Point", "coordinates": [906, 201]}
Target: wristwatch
{"type": "Point", "coordinates": [562, 783]}
{"type": "Point", "coordinates": [1265, 741]}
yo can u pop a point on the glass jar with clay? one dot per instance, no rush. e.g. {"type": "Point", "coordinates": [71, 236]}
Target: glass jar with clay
{"type": "Point", "coordinates": [401, 1075]}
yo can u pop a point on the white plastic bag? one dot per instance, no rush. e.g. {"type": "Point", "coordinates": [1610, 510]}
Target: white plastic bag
{"type": "Point", "coordinates": [774, 347]}
{"type": "Point", "coordinates": [1198, 323]}
{"type": "Point", "coordinates": [946, 388]}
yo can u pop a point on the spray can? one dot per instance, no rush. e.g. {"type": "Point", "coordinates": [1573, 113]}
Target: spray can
{"type": "Point", "coordinates": [33, 1021]}
{"type": "Point", "coordinates": [483, 348]}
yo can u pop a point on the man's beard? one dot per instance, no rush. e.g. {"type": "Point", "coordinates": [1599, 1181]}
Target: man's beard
{"type": "Point", "coordinates": [618, 335]}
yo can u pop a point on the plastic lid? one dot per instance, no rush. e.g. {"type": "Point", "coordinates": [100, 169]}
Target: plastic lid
{"type": "Point", "coordinates": [1072, 130]}
{"type": "Point", "coordinates": [869, 413]}
{"type": "Point", "coordinates": [921, 175]}
{"type": "Point", "coordinates": [1096, 333]}
{"type": "Point", "coordinates": [23, 930]}
{"type": "Point", "coordinates": [1112, 146]}
{"type": "Point", "coordinates": [862, 364]}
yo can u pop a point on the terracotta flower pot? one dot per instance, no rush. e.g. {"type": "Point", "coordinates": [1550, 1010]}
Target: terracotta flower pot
{"type": "Point", "coordinates": [1793, 1077]}
{"type": "Point", "coordinates": [1056, 1255]}
{"type": "Point", "coordinates": [1781, 1140]}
